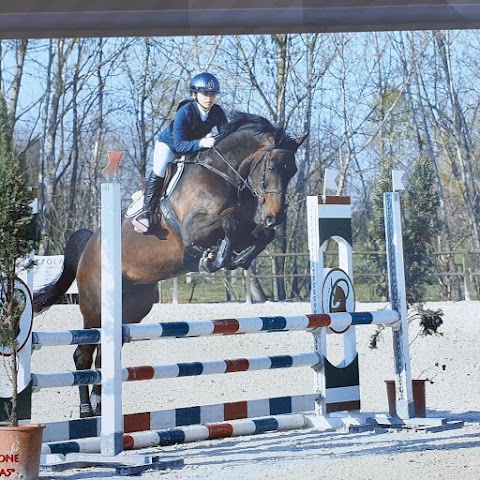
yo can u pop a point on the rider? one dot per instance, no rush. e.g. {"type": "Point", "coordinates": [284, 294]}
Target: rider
{"type": "Point", "coordinates": [192, 129]}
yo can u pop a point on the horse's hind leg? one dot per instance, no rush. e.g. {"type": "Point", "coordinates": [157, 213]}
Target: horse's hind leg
{"type": "Point", "coordinates": [137, 302]}
{"type": "Point", "coordinates": [83, 358]}
{"type": "Point", "coordinates": [96, 395]}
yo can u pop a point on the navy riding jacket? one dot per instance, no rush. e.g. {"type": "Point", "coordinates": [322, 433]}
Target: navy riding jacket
{"type": "Point", "coordinates": [184, 134]}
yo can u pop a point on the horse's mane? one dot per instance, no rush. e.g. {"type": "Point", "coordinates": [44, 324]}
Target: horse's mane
{"type": "Point", "coordinates": [256, 124]}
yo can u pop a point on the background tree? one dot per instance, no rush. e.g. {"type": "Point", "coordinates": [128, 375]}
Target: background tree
{"type": "Point", "coordinates": [371, 101]}
{"type": "Point", "coordinates": [420, 230]}
{"type": "Point", "coordinates": [16, 223]}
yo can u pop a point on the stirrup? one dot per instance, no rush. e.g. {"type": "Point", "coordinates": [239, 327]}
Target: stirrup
{"type": "Point", "coordinates": [141, 223]}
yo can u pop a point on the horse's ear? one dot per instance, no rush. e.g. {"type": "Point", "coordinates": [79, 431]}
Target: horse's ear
{"type": "Point", "coordinates": [300, 140]}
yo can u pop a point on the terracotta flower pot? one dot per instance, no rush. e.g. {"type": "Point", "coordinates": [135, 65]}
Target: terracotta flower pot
{"type": "Point", "coordinates": [20, 450]}
{"type": "Point", "coordinates": [418, 397]}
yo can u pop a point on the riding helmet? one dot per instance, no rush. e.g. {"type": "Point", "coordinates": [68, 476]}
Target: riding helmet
{"type": "Point", "coordinates": [205, 83]}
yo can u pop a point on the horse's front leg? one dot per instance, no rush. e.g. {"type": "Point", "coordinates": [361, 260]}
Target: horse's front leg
{"type": "Point", "coordinates": [222, 255]}
{"type": "Point", "coordinates": [256, 243]}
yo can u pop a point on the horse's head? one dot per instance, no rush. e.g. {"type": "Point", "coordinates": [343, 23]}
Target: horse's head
{"type": "Point", "coordinates": [265, 158]}
{"type": "Point", "coordinates": [272, 168]}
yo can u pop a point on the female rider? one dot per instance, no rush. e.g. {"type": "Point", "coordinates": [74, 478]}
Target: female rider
{"type": "Point", "coordinates": [191, 130]}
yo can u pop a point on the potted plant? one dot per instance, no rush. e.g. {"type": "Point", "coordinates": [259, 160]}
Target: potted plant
{"type": "Point", "coordinates": [20, 445]}
{"type": "Point", "coordinates": [429, 322]}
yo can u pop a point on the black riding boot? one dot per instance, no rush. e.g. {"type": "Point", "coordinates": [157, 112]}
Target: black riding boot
{"type": "Point", "coordinates": [150, 199]}
{"type": "Point", "coordinates": [152, 193]}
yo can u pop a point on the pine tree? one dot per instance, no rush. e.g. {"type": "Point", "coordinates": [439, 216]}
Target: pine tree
{"type": "Point", "coordinates": [376, 228]}
{"type": "Point", "coordinates": [16, 220]}
{"type": "Point", "coordinates": [420, 228]}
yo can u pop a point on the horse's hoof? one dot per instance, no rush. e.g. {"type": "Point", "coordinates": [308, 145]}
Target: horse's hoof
{"type": "Point", "coordinates": [245, 257]}
{"type": "Point", "coordinates": [207, 264]}
{"type": "Point", "coordinates": [86, 411]}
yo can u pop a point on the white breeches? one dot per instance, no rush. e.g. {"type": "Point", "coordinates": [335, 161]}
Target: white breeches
{"type": "Point", "coordinates": [162, 156]}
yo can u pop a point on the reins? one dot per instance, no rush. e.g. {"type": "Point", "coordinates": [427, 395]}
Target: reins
{"type": "Point", "coordinates": [241, 182]}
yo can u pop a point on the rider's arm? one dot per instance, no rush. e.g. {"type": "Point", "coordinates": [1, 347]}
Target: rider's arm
{"type": "Point", "coordinates": [182, 133]}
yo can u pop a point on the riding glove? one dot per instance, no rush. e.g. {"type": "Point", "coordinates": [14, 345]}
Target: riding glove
{"type": "Point", "coordinates": [207, 142]}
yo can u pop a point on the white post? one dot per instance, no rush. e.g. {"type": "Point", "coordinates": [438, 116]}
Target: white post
{"type": "Point", "coordinates": [175, 291]}
{"type": "Point", "coordinates": [111, 337]}
{"type": "Point", "coordinates": [160, 292]}
{"type": "Point", "coordinates": [248, 287]}
{"type": "Point", "coordinates": [396, 280]}
{"type": "Point", "coordinates": [316, 278]}
{"type": "Point", "coordinates": [345, 262]}
{"type": "Point", "coordinates": [466, 275]}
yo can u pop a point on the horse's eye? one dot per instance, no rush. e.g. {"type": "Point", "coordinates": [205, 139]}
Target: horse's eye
{"type": "Point", "coordinates": [277, 168]}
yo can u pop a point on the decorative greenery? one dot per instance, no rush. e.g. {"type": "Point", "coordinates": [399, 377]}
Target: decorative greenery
{"type": "Point", "coordinates": [436, 369]}
{"type": "Point", "coordinates": [429, 322]}
{"type": "Point", "coordinates": [16, 220]}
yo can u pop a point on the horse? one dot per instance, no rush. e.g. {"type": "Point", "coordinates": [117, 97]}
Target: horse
{"type": "Point", "coordinates": [206, 223]}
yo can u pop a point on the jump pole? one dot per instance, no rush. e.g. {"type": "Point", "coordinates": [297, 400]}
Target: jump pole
{"type": "Point", "coordinates": [338, 321]}
{"type": "Point", "coordinates": [110, 426]}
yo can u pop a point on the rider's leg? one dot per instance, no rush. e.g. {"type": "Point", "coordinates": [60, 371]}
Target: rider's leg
{"type": "Point", "coordinates": [161, 158]}
{"type": "Point", "coordinates": [151, 196]}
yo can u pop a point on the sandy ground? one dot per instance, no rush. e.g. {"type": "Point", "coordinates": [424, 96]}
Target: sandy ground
{"type": "Point", "coordinates": [303, 454]}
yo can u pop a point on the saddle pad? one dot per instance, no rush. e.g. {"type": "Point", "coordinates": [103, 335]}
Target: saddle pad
{"type": "Point", "coordinates": [137, 198]}
{"type": "Point", "coordinates": [136, 206]}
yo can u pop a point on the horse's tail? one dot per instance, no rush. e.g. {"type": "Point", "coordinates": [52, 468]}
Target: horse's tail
{"type": "Point", "coordinates": [49, 294]}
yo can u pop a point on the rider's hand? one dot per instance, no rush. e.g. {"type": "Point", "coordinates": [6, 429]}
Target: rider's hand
{"type": "Point", "coordinates": [207, 142]}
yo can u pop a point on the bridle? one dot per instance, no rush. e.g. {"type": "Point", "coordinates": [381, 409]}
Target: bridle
{"type": "Point", "coordinates": [267, 157]}
{"type": "Point", "coordinates": [241, 183]}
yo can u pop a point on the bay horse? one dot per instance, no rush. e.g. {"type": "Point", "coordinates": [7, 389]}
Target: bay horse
{"type": "Point", "coordinates": [206, 223]}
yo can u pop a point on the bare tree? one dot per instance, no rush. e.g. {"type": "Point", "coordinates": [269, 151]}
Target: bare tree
{"type": "Point", "coordinates": [460, 150]}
